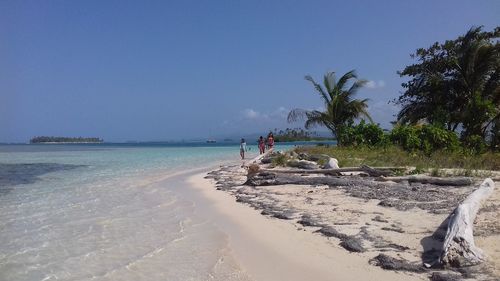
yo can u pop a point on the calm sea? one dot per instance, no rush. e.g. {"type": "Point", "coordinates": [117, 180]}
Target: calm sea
{"type": "Point", "coordinates": [108, 212]}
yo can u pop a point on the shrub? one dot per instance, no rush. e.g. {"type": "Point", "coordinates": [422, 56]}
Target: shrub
{"type": "Point", "coordinates": [475, 143]}
{"type": "Point", "coordinates": [406, 137]}
{"type": "Point", "coordinates": [426, 138]}
{"type": "Point", "coordinates": [280, 160]}
{"type": "Point", "coordinates": [362, 134]}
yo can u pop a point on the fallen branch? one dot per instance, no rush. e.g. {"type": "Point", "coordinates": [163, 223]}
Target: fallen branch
{"type": "Point", "coordinates": [463, 181]}
{"type": "Point", "coordinates": [257, 158]}
{"type": "Point", "coordinates": [458, 247]}
{"type": "Point", "coordinates": [374, 172]}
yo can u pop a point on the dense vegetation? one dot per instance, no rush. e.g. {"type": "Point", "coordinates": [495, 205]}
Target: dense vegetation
{"type": "Point", "coordinates": [455, 85]}
{"type": "Point", "coordinates": [44, 139]}
{"type": "Point", "coordinates": [467, 163]}
{"type": "Point", "coordinates": [449, 118]}
{"type": "Point", "coordinates": [296, 134]}
{"type": "Point", "coordinates": [451, 104]}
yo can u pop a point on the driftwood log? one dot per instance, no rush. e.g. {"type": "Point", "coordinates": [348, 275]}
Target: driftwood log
{"type": "Point", "coordinates": [374, 172]}
{"type": "Point", "coordinates": [460, 181]}
{"type": "Point", "coordinates": [458, 248]}
{"type": "Point", "coordinates": [257, 159]}
{"type": "Point", "coordinates": [264, 178]}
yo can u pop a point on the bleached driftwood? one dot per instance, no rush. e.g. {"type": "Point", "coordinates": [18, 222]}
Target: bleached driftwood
{"type": "Point", "coordinates": [374, 172]}
{"type": "Point", "coordinates": [461, 181]}
{"type": "Point", "coordinates": [458, 247]}
{"type": "Point", "coordinates": [258, 158]}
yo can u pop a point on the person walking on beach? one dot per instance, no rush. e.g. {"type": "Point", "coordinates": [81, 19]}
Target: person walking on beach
{"type": "Point", "coordinates": [262, 145]}
{"type": "Point", "coordinates": [270, 140]}
{"type": "Point", "coordinates": [243, 148]}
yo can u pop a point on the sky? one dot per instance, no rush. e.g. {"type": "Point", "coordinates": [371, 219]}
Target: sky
{"type": "Point", "coordinates": [171, 70]}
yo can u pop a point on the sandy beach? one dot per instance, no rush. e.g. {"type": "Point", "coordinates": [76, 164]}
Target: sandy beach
{"type": "Point", "coordinates": [299, 232]}
{"type": "Point", "coordinates": [272, 249]}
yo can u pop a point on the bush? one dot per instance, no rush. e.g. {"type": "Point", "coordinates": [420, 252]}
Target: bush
{"type": "Point", "coordinates": [280, 160]}
{"type": "Point", "coordinates": [362, 134]}
{"type": "Point", "coordinates": [406, 137]}
{"type": "Point", "coordinates": [426, 138]}
{"type": "Point", "coordinates": [475, 144]}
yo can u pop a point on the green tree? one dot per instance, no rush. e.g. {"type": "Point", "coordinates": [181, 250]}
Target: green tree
{"type": "Point", "coordinates": [341, 108]}
{"type": "Point", "coordinates": [455, 85]}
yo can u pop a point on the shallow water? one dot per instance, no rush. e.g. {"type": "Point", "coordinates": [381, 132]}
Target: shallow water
{"type": "Point", "coordinates": [71, 212]}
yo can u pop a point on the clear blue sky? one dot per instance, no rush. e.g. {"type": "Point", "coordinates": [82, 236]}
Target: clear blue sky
{"type": "Point", "coordinates": [159, 70]}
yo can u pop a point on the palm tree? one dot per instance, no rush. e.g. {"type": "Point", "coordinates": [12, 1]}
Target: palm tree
{"type": "Point", "coordinates": [340, 106]}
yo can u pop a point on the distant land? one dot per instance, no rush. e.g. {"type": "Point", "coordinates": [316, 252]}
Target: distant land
{"type": "Point", "coordinates": [44, 139]}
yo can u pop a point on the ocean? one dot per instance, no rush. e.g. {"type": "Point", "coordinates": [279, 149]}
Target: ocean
{"type": "Point", "coordinates": [109, 212]}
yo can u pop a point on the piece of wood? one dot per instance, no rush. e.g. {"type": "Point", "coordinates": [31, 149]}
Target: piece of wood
{"type": "Point", "coordinates": [264, 178]}
{"type": "Point", "coordinates": [257, 158]}
{"type": "Point", "coordinates": [458, 248]}
{"type": "Point", "coordinates": [375, 172]}
{"type": "Point", "coordinates": [461, 181]}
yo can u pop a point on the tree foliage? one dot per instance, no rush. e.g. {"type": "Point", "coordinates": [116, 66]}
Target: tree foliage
{"type": "Point", "coordinates": [455, 85]}
{"type": "Point", "coordinates": [45, 139]}
{"type": "Point", "coordinates": [341, 108]}
{"type": "Point", "coordinates": [368, 134]}
{"type": "Point", "coordinates": [426, 138]}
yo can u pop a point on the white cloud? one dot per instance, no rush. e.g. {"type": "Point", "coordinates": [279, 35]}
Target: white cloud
{"type": "Point", "coordinates": [279, 113]}
{"type": "Point", "coordinates": [250, 113]}
{"type": "Point", "coordinates": [371, 84]}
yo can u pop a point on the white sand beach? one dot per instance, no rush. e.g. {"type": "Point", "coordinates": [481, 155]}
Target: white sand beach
{"type": "Point", "coordinates": [271, 249]}
{"type": "Point", "coordinates": [268, 248]}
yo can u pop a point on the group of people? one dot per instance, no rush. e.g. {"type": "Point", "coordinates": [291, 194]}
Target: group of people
{"type": "Point", "coordinates": [263, 144]}
{"type": "Point", "coordinates": [268, 142]}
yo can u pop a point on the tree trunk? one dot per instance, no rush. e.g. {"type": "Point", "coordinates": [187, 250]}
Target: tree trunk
{"type": "Point", "coordinates": [458, 248]}
{"type": "Point", "coordinates": [462, 181]}
{"type": "Point", "coordinates": [374, 172]}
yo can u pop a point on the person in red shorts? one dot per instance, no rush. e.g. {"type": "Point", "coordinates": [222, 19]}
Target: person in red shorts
{"type": "Point", "coordinates": [262, 145]}
{"type": "Point", "coordinates": [270, 141]}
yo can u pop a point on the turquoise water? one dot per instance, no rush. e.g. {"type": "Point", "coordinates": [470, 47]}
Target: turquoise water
{"type": "Point", "coordinates": [108, 212]}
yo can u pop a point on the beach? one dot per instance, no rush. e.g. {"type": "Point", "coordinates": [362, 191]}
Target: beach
{"type": "Point", "coordinates": [272, 249]}
{"type": "Point", "coordinates": [183, 213]}
{"type": "Point", "coordinates": [300, 232]}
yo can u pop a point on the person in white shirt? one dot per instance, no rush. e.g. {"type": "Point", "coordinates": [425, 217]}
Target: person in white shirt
{"type": "Point", "coordinates": [243, 148]}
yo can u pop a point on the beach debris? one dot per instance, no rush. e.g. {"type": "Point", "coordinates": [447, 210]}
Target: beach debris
{"type": "Point", "coordinates": [374, 172]}
{"type": "Point", "coordinates": [253, 169]}
{"type": "Point", "coordinates": [307, 220]}
{"type": "Point", "coordinates": [352, 244]}
{"type": "Point", "coordinates": [303, 164]}
{"type": "Point", "coordinates": [393, 228]}
{"type": "Point", "coordinates": [329, 231]}
{"type": "Point", "coordinates": [458, 248]}
{"type": "Point", "coordinates": [390, 263]}
{"type": "Point", "coordinates": [331, 164]}
{"type": "Point", "coordinates": [379, 219]}
{"type": "Point", "coordinates": [459, 181]}
{"type": "Point", "coordinates": [437, 276]}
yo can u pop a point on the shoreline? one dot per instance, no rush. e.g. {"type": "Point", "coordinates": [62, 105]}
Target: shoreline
{"type": "Point", "coordinates": [272, 249]}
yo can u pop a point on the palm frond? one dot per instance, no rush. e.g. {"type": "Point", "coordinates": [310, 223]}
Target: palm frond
{"type": "Point", "coordinates": [356, 86]}
{"type": "Point", "coordinates": [330, 83]}
{"type": "Point", "coordinates": [319, 89]}
{"type": "Point", "coordinates": [297, 114]}
{"type": "Point", "coordinates": [345, 78]}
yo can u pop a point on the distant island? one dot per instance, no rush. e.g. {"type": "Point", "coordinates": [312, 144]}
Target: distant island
{"type": "Point", "coordinates": [44, 139]}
